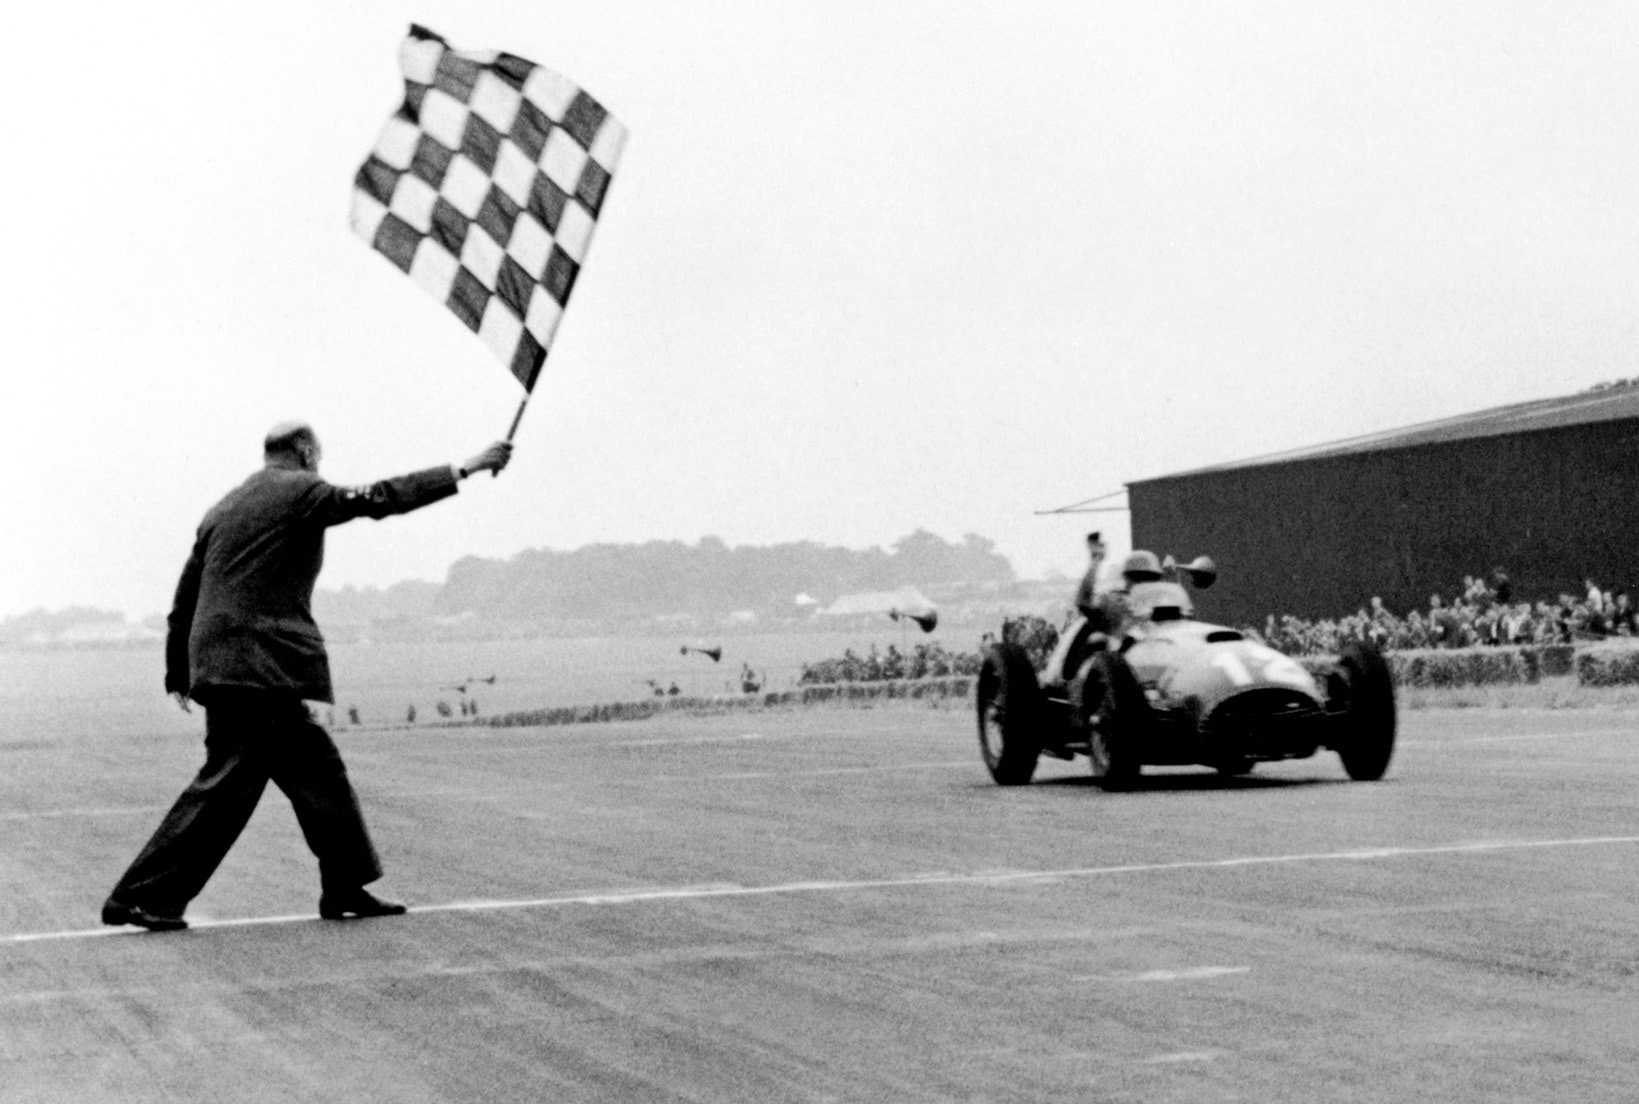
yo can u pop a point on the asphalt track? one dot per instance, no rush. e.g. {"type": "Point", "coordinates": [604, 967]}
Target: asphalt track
{"type": "Point", "coordinates": [837, 905]}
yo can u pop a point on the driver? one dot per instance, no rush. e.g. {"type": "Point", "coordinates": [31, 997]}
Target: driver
{"type": "Point", "coordinates": [1115, 607]}
{"type": "Point", "coordinates": [1107, 612]}
{"type": "Point", "coordinates": [1142, 566]}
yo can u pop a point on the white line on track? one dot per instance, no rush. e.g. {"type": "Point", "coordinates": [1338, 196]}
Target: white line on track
{"type": "Point", "coordinates": [740, 776]}
{"type": "Point", "coordinates": [1426, 742]}
{"type": "Point", "coordinates": [666, 741]}
{"type": "Point", "coordinates": [818, 772]}
{"type": "Point", "coordinates": [994, 878]}
{"type": "Point", "coordinates": [1188, 973]}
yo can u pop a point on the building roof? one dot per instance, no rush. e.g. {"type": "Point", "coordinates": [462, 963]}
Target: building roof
{"type": "Point", "coordinates": [1605, 405]}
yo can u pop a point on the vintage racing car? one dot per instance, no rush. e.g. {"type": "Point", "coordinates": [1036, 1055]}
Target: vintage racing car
{"type": "Point", "coordinates": [1164, 688]}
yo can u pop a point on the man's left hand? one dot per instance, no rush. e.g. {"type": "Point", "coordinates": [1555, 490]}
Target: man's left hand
{"type": "Point", "coordinates": [492, 459]}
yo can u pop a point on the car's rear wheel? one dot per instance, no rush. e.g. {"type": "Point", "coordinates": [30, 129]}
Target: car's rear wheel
{"type": "Point", "coordinates": [1010, 713]}
{"type": "Point", "coordinates": [1362, 680]}
{"type": "Point", "coordinates": [1117, 718]}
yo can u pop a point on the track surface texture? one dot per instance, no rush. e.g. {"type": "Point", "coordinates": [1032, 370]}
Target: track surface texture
{"type": "Point", "coordinates": [838, 905]}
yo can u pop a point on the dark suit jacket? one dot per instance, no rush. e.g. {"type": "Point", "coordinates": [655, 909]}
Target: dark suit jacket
{"type": "Point", "coordinates": [242, 615]}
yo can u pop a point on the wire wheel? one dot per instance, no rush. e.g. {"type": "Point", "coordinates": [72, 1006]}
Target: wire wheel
{"type": "Point", "coordinates": [1369, 718]}
{"type": "Point", "coordinates": [1117, 719]}
{"type": "Point", "coordinates": [1009, 701]}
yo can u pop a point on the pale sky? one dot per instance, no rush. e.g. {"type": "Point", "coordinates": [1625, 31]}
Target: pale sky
{"type": "Point", "coordinates": [866, 266]}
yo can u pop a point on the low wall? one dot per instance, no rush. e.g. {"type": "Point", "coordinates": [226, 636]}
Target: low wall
{"type": "Point", "coordinates": [1608, 664]}
{"type": "Point", "coordinates": [957, 687]}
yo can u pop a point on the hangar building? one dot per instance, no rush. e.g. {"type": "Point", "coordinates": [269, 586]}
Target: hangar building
{"type": "Point", "coordinates": [1547, 490]}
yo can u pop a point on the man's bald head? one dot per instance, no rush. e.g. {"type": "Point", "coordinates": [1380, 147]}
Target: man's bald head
{"type": "Point", "coordinates": [292, 444]}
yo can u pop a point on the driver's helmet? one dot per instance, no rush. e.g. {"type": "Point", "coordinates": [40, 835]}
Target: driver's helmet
{"type": "Point", "coordinates": [1141, 567]}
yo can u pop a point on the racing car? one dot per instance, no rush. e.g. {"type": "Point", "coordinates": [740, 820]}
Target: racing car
{"type": "Point", "coordinates": [1151, 685]}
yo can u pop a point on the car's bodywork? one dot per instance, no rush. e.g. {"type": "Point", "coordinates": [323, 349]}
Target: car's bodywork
{"type": "Point", "coordinates": [1164, 688]}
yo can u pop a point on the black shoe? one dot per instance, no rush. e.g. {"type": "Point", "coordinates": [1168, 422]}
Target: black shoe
{"type": "Point", "coordinates": [355, 904]}
{"type": "Point", "coordinates": [116, 914]}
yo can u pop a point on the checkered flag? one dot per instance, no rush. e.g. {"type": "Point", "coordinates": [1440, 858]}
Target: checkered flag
{"type": "Point", "coordinates": [484, 188]}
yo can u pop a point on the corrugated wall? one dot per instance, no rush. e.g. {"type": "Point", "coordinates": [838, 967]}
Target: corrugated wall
{"type": "Point", "coordinates": [1319, 538]}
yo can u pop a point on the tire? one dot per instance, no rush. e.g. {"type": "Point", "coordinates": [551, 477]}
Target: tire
{"type": "Point", "coordinates": [1369, 718]}
{"type": "Point", "coordinates": [1117, 717]}
{"type": "Point", "coordinates": [1010, 712]}
{"type": "Point", "coordinates": [1234, 768]}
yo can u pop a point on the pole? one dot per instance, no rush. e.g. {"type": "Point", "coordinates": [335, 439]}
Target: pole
{"type": "Point", "coordinates": [516, 418]}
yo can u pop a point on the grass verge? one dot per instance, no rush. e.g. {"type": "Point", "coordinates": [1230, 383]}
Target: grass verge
{"type": "Point", "coordinates": [1562, 692]}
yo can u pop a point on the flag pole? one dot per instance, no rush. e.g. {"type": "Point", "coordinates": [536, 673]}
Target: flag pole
{"type": "Point", "coordinates": [516, 418]}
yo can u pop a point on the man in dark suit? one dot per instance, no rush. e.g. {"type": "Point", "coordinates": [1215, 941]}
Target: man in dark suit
{"type": "Point", "coordinates": [242, 642]}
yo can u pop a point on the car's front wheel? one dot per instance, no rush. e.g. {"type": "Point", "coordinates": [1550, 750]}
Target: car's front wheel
{"type": "Point", "coordinates": [1010, 713]}
{"type": "Point", "coordinates": [1116, 716]}
{"type": "Point", "coordinates": [1365, 690]}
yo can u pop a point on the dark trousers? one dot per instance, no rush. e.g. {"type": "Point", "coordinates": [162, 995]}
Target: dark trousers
{"type": "Point", "coordinates": [252, 737]}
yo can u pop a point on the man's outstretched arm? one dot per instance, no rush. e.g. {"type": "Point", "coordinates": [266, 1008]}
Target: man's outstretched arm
{"type": "Point", "coordinates": [334, 505]}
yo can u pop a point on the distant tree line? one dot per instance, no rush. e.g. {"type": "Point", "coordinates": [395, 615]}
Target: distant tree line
{"type": "Point", "coordinates": [661, 578]}
{"type": "Point", "coordinates": [41, 624]}
{"type": "Point", "coordinates": [410, 600]}
{"type": "Point", "coordinates": [613, 583]}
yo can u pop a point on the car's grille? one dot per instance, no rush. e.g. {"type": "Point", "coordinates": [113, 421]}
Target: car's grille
{"type": "Point", "coordinates": [1266, 723]}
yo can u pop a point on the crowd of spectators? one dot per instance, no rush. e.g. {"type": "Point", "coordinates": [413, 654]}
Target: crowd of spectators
{"type": "Point", "coordinates": [924, 661]}
{"type": "Point", "coordinates": [1485, 612]}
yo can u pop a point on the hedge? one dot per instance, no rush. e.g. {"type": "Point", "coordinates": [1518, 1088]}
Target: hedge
{"type": "Point", "coordinates": [955, 686]}
{"type": "Point", "coordinates": [1480, 666]}
{"type": "Point", "coordinates": [1608, 665]}
{"type": "Point", "coordinates": [1597, 665]}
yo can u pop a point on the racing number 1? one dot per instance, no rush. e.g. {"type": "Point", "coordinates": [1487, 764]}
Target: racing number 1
{"type": "Point", "coordinates": [1276, 668]}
